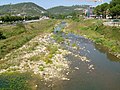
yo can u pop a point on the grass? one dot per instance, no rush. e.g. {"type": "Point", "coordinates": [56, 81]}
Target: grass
{"type": "Point", "coordinates": [58, 38]}
{"type": "Point", "coordinates": [33, 45]}
{"type": "Point", "coordinates": [19, 81]}
{"type": "Point", "coordinates": [18, 35]}
{"type": "Point", "coordinates": [95, 30]}
{"type": "Point", "coordinates": [52, 49]}
{"type": "Point", "coordinates": [41, 68]}
{"type": "Point", "coordinates": [74, 45]}
{"type": "Point", "coordinates": [35, 58]}
{"type": "Point", "coordinates": [14, 81]}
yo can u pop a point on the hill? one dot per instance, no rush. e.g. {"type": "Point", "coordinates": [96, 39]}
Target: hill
{"type": "Point", "coordinates": [27, 8]}
{"type": "Point", "coordinates": [68, 9]}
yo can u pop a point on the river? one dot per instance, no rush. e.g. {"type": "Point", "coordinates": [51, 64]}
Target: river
{"type": "Point", "coordinates": [100, 72]}
{"type": "Point", "coordinates": [104, 76]}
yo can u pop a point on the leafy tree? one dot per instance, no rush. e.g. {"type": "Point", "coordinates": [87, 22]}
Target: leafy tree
{"type": "Point", "coordinates": [9, 18]}
{"type": "Point", "coordinates": [97, 10]}
{"type": "Point", "coordinates": [115, 8]}
{"type": "Point", "coordinates": [115, 11]}
{"type": "Point", "coordinates": [104, 8]}
{"type": "Point", "coordinates": [101, 9]}
{"type": "Point", "coordinates": [31, 17]}
{"type": "Point", "coordinates": [114, 3]}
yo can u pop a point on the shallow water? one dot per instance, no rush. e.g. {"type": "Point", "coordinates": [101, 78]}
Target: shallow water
{"type": "Point", "coordinates": [104, 76]}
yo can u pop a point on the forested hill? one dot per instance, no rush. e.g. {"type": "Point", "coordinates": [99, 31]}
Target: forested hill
{"type": "Point", "coordinates": [68, 9]}
{"type": "Point", "coordinates": [27, 8]}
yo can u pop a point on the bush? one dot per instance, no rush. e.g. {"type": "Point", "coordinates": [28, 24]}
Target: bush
{"type": "Point", "coordinates": [2, 36]}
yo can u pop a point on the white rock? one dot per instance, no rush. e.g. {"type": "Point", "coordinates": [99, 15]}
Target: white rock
{"type": "Point", "coordinates": [76, 68]}
{"type": "Point", "coordinates": [35, 85]}
{"type": "Point", "coordinates": [65, 78]}
{"type": "Point", "coordinates": [91, 66]}
{"type": "Point", "coordinates": [67, 73]}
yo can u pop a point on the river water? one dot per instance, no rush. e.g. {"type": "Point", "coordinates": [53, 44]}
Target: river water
{"type": "Point", "coordinates": [104, 76]}
{"type": "Point", "coordinates": [102, 72]}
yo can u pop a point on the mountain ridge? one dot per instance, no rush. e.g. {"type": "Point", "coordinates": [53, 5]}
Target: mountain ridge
{"type": "Point", "coordinates": [32, 9]}
{"type": "Point", "coordinates": [24, 8]}
{"type": "Point", "coordinates": [67, 9]}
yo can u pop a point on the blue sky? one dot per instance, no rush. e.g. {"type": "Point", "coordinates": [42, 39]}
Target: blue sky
{"type": "Point", "coordinates": [51, 3]}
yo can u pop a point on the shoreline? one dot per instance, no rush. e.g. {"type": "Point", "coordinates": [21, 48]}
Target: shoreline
{"type": "Point", "coordinates": [93, 37]}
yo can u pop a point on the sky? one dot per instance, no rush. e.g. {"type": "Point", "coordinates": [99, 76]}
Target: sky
{"type": "Point", "coordinates": [51, 3]}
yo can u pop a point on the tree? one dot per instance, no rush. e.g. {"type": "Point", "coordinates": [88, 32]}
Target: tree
{"type": "Point", "coordinates": [9, 18]}
{"type": "Point", "coordinates": [101, 9]}
{"type": "Point", "coordinates": [114, 3]}
{"type": "Point", "coordinates": [115, 11]}
{"type": "Point", "coordinates": [104, 8]}
{"type": "Point", "coordinates": [115, 8]}
{"type": "Point", "coordinates": [97, 10]}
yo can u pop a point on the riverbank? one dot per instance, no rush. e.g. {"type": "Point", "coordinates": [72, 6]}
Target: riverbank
{"type": "Point", "coordinates": [14, 36]}
{"type": "Point", "coordinates": [43, 59]}
{"type": "Point", "coordinates": [98, 33]}
{"type": "Point", "coordinates": [39, 56]}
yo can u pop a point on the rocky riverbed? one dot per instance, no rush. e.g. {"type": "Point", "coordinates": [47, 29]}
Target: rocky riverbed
{"type": "Point", "coordinates": [41, 56]}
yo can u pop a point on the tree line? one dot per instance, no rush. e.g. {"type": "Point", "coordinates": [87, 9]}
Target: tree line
{"type": "Point", "coordinates": [111, 9]}
{"type": "Point", "coordinates": [73, 16]}
{"type": "Point", "coordinates": [9, 18]}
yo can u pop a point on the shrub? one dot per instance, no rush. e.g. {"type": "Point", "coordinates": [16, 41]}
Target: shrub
{"type": "Point", "coordinates": [2, 36]}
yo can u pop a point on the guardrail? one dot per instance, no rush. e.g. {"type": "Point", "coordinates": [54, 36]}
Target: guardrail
{"type": "Point", "coordinates": [112, 22]}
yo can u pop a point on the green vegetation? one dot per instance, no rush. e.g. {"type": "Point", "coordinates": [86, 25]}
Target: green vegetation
{"type": "Point", "coordinates": [16, 81]}
{"type": "Point", "coordinates": [31, 17]}
{"type": "Point", "coordinates": [28, 9]}
{"type": "Point", "coordinates": [41, 68]}
{"type": "Point", "coordinates": [74, 45]}
{"type": "Point", "coordinates": [95, 30]}
{"type": "Point", "coordinates": [101, 10]}
{"type": "Point", "coordinates": [112, 9]}
{"type": "Point", "coordinates": [33, 45]}
{"type": "Point", "coordinates": [52, 49]}
{"type": "Point", "coordinates": [13, 19]}
{"type": "Point", "coordinates": [58, 38]}
{"type": "Point", "coordinates": [35, 58]}
{"type": "Point", "coordinates": [2, 36]}
{"type": "Point", "coordinates": [115, 8]}
{"type": "Point", "coordinates": [66, 10]}
{"type": "Point", "coordinates": [18, 35]}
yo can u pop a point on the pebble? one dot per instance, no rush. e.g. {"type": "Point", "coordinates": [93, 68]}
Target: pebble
{"type": "Point", "coordinates": [88, 51]}
{"type": "Point", "coordinates": [67, 73]}
{"type": "Point", "coordinates": [36, 85]}
{"type": "Point", "coordinates": [65, 79]}
{"type": "Point", "coordinates": [76, 68]}
{"type": "Point", "coordinates": [90, 67]}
